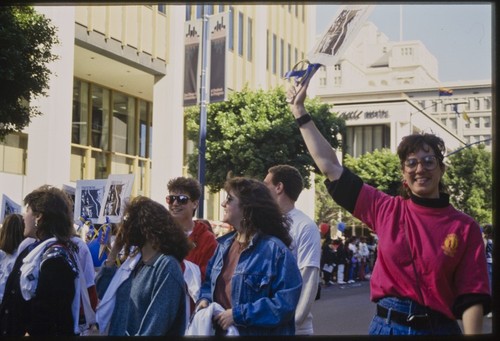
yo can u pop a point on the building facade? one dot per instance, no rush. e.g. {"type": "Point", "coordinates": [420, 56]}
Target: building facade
{"type": "Point", "coordinates": [115, 103]}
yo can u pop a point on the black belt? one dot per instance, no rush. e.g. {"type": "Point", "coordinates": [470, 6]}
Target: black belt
{"type": "Point", "coordinates": [417, 321]}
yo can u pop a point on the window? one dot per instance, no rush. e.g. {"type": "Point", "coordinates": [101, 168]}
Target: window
{"type": "Point", "coordinates": [477, 104]}
{"type": "Point", "coordinates": [111, 133]}
{"type": "Point", "coordinates": [365, 139]}
{"type": "Point", "coordinates": [240, 33]}
{"type": "Point", "coordinates": [296, 55]}
{"type": "Point", "coordinates": [230, 36]}
{"type": "Point", "coordinates": [13, 153]}
{"type": "Point", "coordinates": [199, 11]}
{"type": "Point", "coordinates": [274, 53]}
{"type": "Point", "coordinates": [221, 8]}
{"type": "Point", "coordinates": [210, 9]}
{"type": "Point", "coordinates": [249, 39]}
{"type": "Point", "coordinates": [289, 54]}
{"type": "Point", "coordinates": [487, 103]}
{"type": "Point", "coordinates": [162, 8]}
{"type": "Point", "coordinates": [322, 81]}
{"type": "Point", "coordinates": [486, 122]}
{"type": "Point", "coordinates": [188, 12]}
{"type": "Point", "coordinates": [282, 58]}
{"type": "Point", "coordinates": [336, 67]}
{"type": "Point", "coordinates": [267, 50]}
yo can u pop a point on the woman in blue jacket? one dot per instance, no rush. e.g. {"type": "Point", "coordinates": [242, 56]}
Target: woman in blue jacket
{"type": "Point", "coordinates": [253, 274]}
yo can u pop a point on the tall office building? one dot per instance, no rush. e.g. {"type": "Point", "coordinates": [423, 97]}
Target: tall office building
{"type": "Point", "coordinates": [115, 103]}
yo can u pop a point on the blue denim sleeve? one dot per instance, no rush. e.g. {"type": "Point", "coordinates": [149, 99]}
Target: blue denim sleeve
{"type": "Point", "coordinates": [278, 306]}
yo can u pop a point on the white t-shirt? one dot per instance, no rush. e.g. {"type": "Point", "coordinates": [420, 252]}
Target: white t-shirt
{"type": "Point", "coordinates": [306, 245]}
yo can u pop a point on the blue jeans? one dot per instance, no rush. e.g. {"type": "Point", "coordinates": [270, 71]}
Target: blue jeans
{"type": "Point", "coordinates": [438, 326]}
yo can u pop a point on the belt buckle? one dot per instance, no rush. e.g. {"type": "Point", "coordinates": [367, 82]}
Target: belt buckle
{"type": "Point", "coordinates": [412, 317]}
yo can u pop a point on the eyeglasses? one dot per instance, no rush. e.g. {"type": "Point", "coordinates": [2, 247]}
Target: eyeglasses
{"type": "Point", "coordinates": [429, 162]}
{"type": "Point", "coordinates": [181, 199]}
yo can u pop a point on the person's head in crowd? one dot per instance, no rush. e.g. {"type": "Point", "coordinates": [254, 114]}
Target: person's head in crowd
{"type": "Point", "coordinates": [11, 233]}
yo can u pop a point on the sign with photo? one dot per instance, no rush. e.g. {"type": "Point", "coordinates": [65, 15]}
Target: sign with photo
{"type": "Point", "coordinates": [89, 196]}
{"type": "Point", "coordinates": [340, 34]}
{"type": "Point", "coordinates": [9, 206]}
{"type": "Point", "coordinates": [116, 194]}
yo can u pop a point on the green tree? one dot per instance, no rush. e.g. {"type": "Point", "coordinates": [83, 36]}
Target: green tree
{"type": "Point", "coordinates": [469, 179]}
{"type": "Point", "coordinates": [254, 130]}
{"type": "Point", "coordinates": [26, 38]}
{"type": "Point", "coordinates": [380, 169]}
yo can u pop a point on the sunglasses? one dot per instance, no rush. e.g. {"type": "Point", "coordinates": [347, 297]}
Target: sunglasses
{"type": "Point", "coordinates": [429, 162]}
{"type": "Point", "coordinates": [181, 199]}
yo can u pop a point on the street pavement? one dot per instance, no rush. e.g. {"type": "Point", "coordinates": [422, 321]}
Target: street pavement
{"type": "Point", "coordinates": [347, 310]}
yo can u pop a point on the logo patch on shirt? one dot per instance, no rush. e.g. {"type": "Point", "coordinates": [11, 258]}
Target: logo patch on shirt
{"type": "Point", "coordinates": [450, 245]}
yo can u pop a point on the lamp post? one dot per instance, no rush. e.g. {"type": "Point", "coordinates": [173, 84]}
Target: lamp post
{"type": "Point", "coordinates": [203, 112]}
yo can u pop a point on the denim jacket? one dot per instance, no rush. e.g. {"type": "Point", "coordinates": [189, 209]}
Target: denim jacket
{"type": "Point", "coordinates": [265, 287]}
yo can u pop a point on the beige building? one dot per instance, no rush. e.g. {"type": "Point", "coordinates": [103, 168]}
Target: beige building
{"type": "Point", "coordinates": [386, 90]}
{"type": "Point", "coordinates": [115, 104]}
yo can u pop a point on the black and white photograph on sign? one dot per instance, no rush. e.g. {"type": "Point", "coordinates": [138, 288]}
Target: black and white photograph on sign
{"type": "Point", "coordinates": [117, 192]}
{"type": "Point", "coordinates": [88, 198]}
{"type": "Point", "coordinates": [9, 206]}
{"type": "Point", "coordinates": [340, 34]}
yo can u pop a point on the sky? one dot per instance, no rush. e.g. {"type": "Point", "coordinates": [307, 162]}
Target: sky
{"type": "Point", "coordinates": [458, 35]}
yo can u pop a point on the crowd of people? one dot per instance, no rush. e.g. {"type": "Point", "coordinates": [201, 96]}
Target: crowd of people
{"type": "Point", "coordinates": [166, 273]}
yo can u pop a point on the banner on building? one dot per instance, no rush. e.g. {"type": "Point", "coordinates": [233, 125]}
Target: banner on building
{"type": "Point", "coordinates": [218, 33]}
{"type": "Point", "coordinates": [192, 44]}
{"type": "Point", "coordinates": [340, 34]}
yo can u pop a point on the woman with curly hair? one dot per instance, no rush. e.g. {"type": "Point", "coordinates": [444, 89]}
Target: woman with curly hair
{"type": "Point", "coordinates": [146, 294]}
{"type": "Point", "coordinates": [253, 274]}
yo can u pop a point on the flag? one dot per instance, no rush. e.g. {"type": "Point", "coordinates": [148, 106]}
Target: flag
{"type": "Point", "coordinates": [466, 117]}
{"type": "Point", "coordinates": [445, 92]}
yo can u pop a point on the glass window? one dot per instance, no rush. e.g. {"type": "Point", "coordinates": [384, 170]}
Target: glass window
{"type": "Point", "coordinates": [365, 139]}
{"type": "Point", "coordinates": [274, 53]}
{"type": "Point", "coordinates": [210, 9]}
{"type": "Point", "coordinates": [240, 33]}
{"type": "Point", "coordinates": [249, 39]}
{"type": "Point", "coordinates": [487, 122]}
{"type": "Point", "coordinates": [282, 58]}
{"type": "Point", "coordinates": [289, 60]}
{"type": "Point", "coordinates": [230, 36]}
{"type": "Point", "coordinates": [162, 8]}
{"type": "Point", "coordinates": [199, 11]}
{"type": "Point", "coordinates": [123, 124]}
{"type": "Point", "coordinates": [188, 12]}
{"type": "Point", "coordinates": [267, 50]}
{"type": "Point", "coordinates": [100, 117]}
{"type": "Point", "coordinates": [296, 55]}
{"type": "Point", "coordinates": [144, 128]}
{"type": "Point", "coordinates": [80, 124]}
{"type": "Point", "coordinates": [221, 8]}
{"type": "Point", "coordinates": [13, 153]}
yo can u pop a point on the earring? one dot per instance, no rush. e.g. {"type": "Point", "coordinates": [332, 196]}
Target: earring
{"type": "Point", "coordinates": [36, 223]}
{"type": "Point", "coordinates": [405, 184]}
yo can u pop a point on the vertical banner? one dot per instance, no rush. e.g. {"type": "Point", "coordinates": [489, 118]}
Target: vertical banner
{"type": "Point", "coordinates": [218, 33]}
{"type": "Point", "coordinates": [192, 42]}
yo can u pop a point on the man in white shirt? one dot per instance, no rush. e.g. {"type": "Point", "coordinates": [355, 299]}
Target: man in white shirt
{"type": "Point", "coordinates": [286, 184]}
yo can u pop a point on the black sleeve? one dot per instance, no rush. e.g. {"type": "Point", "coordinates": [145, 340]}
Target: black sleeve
{"type": "Point", "coordinates": [345, 190]}
{"type": "Point", "coordinates": [465, 301]}
{"type": "Point", "coordinates": [51, 312]}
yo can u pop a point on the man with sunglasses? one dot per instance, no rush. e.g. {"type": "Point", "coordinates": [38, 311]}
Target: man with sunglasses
{"type": "Point", "coordinates": [183, 200]}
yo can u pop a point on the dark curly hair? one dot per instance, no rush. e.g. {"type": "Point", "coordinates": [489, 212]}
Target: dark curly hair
{"type": "Point", "coordinates": [146, 220]}
{"type": "Point", "coordinates": [424, 141]}
{"type": "Point", "coordinates": [261, 213]}
{"type": "Point", "coordinates": [55, 208]}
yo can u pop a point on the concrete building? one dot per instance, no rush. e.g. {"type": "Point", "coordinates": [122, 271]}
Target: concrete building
{"type": "Point", "coordinates": [386, 90]}
{"type": "Point", "coordinates": [115, 103]}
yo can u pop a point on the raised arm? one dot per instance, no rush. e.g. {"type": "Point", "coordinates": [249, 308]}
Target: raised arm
{"type": "Point", "coordinates": [322, 152]}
